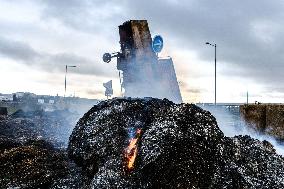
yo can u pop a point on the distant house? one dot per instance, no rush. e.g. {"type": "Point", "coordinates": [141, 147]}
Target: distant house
{"type": "Point", "coordinates": [19, 94]}
{"type": "Point", "coordinates": [51, 101]}
{"type": "Point", "coordinates": [40, 101]}
{"type": "Point", "coordinates": [4, 98]}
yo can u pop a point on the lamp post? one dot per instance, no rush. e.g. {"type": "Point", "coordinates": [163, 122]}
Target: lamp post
{"type": "Point", "coordinates": [66, 67]}
{"type": "Point", "coordinates": [215, 46]}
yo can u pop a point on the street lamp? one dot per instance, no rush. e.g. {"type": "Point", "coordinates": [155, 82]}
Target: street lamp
{"type": "Point", "coordinates": [66, 67]}
{"type": "Point", "coordinates": [215, 46]}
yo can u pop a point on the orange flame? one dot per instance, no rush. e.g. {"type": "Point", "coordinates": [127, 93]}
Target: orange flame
{"type": "Point", "coordinates": [131, 150]}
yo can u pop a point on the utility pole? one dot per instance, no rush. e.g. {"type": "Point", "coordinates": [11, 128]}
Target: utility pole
{"type": "Point", "coordinates": [247, 97]}
{"type": "Point", "coordinates": [215, 46]}
{"type": "Point", "coordinates": [215, 74]}
{"type": "Point", "coordinates": [65, 83]}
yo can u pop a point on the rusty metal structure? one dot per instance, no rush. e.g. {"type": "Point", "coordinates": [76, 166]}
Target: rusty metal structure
{"type": "Point", "coordinates": [143, 74]}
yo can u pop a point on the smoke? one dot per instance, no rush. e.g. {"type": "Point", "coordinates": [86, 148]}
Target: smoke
{"type": "Point", "coordinates": [231, 123]}
{"type": "Point", "coordinates": [51, 122]}
{"type": "Point", "coordinates": [152, 78]}
{"type": "Point", "coordinates": [68, 118]}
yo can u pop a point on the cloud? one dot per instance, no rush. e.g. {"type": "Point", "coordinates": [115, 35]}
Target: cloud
{"type": "Point", "coordinates": [17, 50]}
{"type": "Point", "coordinates": [84, 16]}
{"type": "Point", "coordinates": [248, 34]}
{"type": "Point", "coordinates": [24, 53]}
{"type": "Point", "coordinates": [94, 92]}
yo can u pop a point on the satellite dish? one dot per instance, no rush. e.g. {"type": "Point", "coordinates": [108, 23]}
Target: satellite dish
{"type": "Point", "coordinates": [107, 57]}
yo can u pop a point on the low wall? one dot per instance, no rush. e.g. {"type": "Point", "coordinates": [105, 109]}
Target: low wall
{"type": "Point", "coordinates": [267, 118]}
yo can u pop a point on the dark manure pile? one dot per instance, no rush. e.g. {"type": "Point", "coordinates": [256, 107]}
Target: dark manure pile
{"type": "Point", "coordinates": [152, 143]}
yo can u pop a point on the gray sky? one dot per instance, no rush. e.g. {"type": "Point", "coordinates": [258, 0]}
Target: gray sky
{"type": "Point", "coordinates": [38, 37]}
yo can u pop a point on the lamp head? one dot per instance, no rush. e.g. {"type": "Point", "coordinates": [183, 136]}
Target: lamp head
{"type": "Point", "coordinates": [107, 57]}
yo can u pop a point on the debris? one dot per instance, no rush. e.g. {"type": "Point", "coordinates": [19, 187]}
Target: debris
{"type": "Point", "coordinates": [134, 143]}
{"type": "Point", "coordinates": [34, 165]}
{"type": "Point", "coordinates": [3, 111]}
{"type": "Point", "coordinates": [32, 152]}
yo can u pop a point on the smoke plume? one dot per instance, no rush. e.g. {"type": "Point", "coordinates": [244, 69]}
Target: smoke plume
{"type": "Point", "coordinates": [231, 123]}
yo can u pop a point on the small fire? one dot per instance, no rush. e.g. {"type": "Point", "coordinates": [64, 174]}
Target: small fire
{"type": "Point", "coordinates": [131, 150]}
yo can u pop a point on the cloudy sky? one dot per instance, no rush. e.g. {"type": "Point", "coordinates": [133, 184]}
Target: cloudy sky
{"type": "Point", "coordinates": [39, 37]}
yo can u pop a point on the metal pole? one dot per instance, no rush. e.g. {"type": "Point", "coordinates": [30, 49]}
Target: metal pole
{"type": "Point", "coordinates": [65, 80]}
{"type": "Point", "coordinates": [215, 46]}
{"type": "Point", "coordinates": [65, 84]}
{"type": "Point", "coordinates": [215, 72]}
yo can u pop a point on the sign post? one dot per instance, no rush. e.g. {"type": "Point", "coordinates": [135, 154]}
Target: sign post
{"type": "Point", "coordinates": [109, 90]}
{"type": "Point", "coordinates": [157, 44]}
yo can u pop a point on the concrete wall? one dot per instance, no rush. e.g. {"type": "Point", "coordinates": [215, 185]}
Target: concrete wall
{"type": "Point", "coordinates": [267, 118]}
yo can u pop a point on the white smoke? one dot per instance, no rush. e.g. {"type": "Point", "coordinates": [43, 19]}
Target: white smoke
{"type": "Point", "coordinates": [155, 78]}
{"type": "Point", "coordinates": [230, 122]}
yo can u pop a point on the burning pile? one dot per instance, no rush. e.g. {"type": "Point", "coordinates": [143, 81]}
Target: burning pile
{"type": "Point", "coordinates": [165, 145]}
